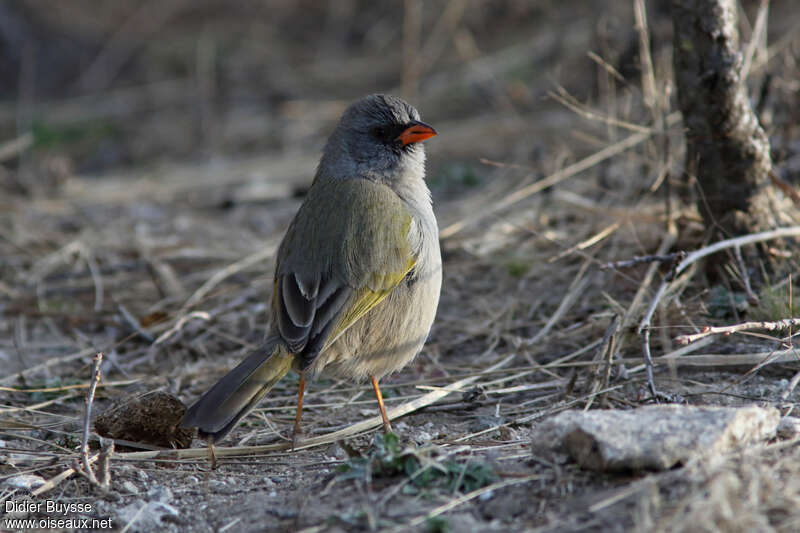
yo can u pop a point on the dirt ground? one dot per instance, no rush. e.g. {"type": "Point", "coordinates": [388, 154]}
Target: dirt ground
{"type": "Point", "coordinates": [161, 152]}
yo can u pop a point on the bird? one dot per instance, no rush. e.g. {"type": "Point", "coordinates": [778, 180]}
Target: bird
{"type": "Point", "coordinates": [357, 275]}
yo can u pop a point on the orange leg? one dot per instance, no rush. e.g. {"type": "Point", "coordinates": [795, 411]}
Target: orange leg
{"type": "Point", "coordinates": [212, 456]}
{"type": "Point", "coordinates": [296, 431]}
{"type": "Point", "coordinates": [387, 427]}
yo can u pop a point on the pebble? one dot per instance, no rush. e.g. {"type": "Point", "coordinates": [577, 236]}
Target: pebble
{"type": "Point", "coordinates": [145, 516]}
{"type": "Point", "coordinates": [217, 484]}
{"type": "Point", "coordinates": [26, 482]}
{"type": "Point", "coordinates": [423, 436]}
{"type": "Point", "coordinates": [159, 494]}
{"type": "Point", "coordinates": [488, 495]}
{"type": "Point", "coordinates": [789, 427]}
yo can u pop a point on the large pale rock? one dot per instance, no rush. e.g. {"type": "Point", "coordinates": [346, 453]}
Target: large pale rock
{"type": "Point", "coordinates": [655, 437]}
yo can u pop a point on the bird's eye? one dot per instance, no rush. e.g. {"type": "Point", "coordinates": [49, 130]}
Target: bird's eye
{"type": "Point", "coordinates": [379, 132]}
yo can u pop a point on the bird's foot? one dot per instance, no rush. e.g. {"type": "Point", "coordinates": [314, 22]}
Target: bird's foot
{"type": "Point", "coordinates": [297, 436]}
{"type": "Point", "coordinates": [212, 456]}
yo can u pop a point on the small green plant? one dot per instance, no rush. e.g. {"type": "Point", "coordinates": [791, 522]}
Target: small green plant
{"type": "Point", "coordinates": [453, 476]}
{"type": "Point", "coordinates": [774, 303]}
{"type": "Point", "coordinates": [439, 524]}
{"type": "Point", "coordinates": [388, 458]}
{"type": "Point", "coordinates": [47, 135]}
{"type": "Point", "coordinates": [55, 384]}
{"type": "Point", "coordinates": [517, 268]}
{"type": "Point", "coordinates": [722, 301]}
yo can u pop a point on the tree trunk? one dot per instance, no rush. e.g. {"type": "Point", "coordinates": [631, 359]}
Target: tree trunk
{"type": "Point", "coordinates": [727, 150]}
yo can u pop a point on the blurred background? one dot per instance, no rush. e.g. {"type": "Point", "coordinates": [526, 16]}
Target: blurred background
{"type": "Point", "coordinates": [115, 85]}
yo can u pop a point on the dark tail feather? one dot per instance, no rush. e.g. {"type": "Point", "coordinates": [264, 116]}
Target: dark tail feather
{"type": "Point", "coordinates": [233, 396]}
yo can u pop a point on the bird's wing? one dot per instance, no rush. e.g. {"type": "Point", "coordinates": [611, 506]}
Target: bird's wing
{"type": "Point", "coordinates": [346, 250]}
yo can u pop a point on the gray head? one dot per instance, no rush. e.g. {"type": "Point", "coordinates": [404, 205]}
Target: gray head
{"type": "Point", "coordinates": [378, 138]}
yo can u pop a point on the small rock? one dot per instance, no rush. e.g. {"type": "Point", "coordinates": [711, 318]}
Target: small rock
{"type": "Point", "coordinates": [19, 459]}
{"type": "Point", "coordinates": [217, 484]}
{"type": "Point", "coordinates": [163, 509]}
{"type": "Point", "coordinates": [480, 423]}
{"type": "Point", "coordinates": [654, 437]}
{"type": "Point", "coordinates": [131, 512]}
{"type": "Point", "coordinates": [463, 522]}
{"type": "Point", "coordinates": [789, 427]}
{"type": "Point", "coordinates": [423, 437]}
{"type": "Point", "coordinates": [142, 475]}
{"type": "Point", "coordinates": [503, 508]}
{"type": "Point", "coordinates": [130, 487]}
{"type": "Point", "coordinates": [146, 516]}
{"type": "Point", "coordinates": [113, 497]}
{"type": "Point", "coordinates": [159, 494]}
{"type": "Point", "coordinates": [26, 482]}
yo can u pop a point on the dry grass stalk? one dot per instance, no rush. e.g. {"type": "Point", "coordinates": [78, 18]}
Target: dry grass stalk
{"type": "Point", "coordinates": [778, 325]}
{"type": "Point", "coordinates": [53, 482]}
{"type": "Point", "coordinates": [557, 177]}
{"type": "Point", "coordinates": [11, 149]}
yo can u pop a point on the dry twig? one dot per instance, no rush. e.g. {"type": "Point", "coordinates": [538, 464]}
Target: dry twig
{"type": "Point", "coordinates": [641, 259]}
{"type": "Point", "coordinates": [87, 419]}
{"type": "Point", "coordinates": [644, 325]}
{"type": "Point", "coordinates": [14, 147]}
{"type": "Point", "coordinates": [53, 482]}
{"type": "Point", "coordinates": [785, 323]}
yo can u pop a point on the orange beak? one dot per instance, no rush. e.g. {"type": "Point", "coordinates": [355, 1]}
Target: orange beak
{"type": "Point", "coordinates": [416, 132]}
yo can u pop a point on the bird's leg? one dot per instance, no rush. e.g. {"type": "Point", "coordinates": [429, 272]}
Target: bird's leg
{"type": "Point", "coordinates": [212, 456]}
{"type": "Point", "coordinates": [387, 427]}
{"type": "Point", "coordinates": [297, 432]}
